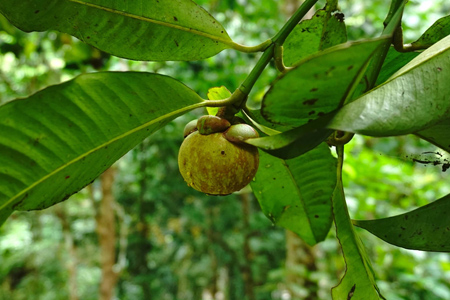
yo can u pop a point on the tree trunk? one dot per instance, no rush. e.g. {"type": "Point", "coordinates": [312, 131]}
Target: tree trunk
{"type": "Point", "coordinates": [299, 253]}
{"type": "Point", "coordinates": [106, 230]}
{"type": "Point", "coordinates": [70, 248]}
{"type": "Point", "coordinates": [290, 7]}
{"type": "Point", "coordinates": [144, 244]}
{"type": "Point", "coordinates": [246, 267]}
{"type": "Point", "coordinates": [212, 213]}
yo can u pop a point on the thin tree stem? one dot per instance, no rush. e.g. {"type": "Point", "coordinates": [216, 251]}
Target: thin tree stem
{"type": "Point", "coordinates": [249, 82]}
{"type": "Point", "coordinates": [281, 36]}
{"type": "Point", "coordinates": [239, 96]}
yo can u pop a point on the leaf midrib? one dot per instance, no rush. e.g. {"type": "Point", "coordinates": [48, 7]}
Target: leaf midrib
{"type": "Point", "coordinates": [300, 194]}
{"type": "Point", "coordinates": [119, 137]}
{"type": "Point", "coordinates": [357, 244]}
{"type": "Point", "coordinates": [166, 24]}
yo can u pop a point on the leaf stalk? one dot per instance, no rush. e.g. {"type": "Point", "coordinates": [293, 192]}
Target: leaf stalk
{"type": "Point", "coordinates": [278, 59]}
{"type": "Point", "coordinates": [251, 49]}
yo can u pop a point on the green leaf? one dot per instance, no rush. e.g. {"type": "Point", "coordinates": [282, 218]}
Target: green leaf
{"type": "Point", "coordinates": [439, 30]}
{"type": "Point", "coordinates": [295, 142]}
{"type": "Point", "coordinates": [296, 193]}
{"type": "Point", "coordinates": [358, 282]}
{"type": "Point", "coordinates": [438, 134]}
{"type": "Point", "coordinates": [155, 30]}
{"type": "Point", "coordinates": [394, 61]}
{"type": "Point", "coordinates": [263, 129]}
{"type": "Point", "coordinates": [60, 139]}
{"type": "Point", "coordinates": [369, 80]}
{"type": "Point", "coordinates": [255, 115]}
{"type": "Point", "coordinates": [318, 84]}
{"type": "Point", "coordinates": [415, 97]}
{"type": "Point", "coordinates": [217, 93]}
{"type": "Point", "coordinates": [323, 30]}
{"type": "Point", "coordinates": [426, 228]}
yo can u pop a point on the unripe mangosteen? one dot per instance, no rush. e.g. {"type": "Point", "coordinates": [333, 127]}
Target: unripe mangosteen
{"type": "Point", "coordinates": [219, 163]}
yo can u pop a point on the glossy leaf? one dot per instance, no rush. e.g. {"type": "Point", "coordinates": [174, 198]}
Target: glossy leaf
{"type": "Point", "coordinates": [263, 129]}
{"type": "Point", "coordinates": [296, 193]}
{"type": "Point", "coordinates": [295, 142]}
{"type": "Point", "coordinates": [325, 29]}
{"type": "Point", "coordinates": [318, 84]}
{"type": "Point", "coordinates": [142, 30]}
{"type": "Point", "coordinates": [358, 282]}
{"type": "Point", "coordinates": [416, 97]}
{"type": "Point", "coordinates": [426, 228]}
{"type": "Point", "coordinates": [394, 61]}
{"type": "Point", "coordinates": [439, 30]}
{"type": "Point", "coordinates": [255, 115]}
{"type": "Point", "coordinates": [60, 139]}
{"type": "Point", "coordinates": [369, 80]}
{"type": "Point", "coordinates": [438, 134]}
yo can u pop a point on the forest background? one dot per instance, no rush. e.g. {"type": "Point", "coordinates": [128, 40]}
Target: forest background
{"type": "Point", "coordinates": [163, 240]}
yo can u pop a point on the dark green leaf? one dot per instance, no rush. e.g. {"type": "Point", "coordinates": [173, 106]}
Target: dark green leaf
{"type": "Point", "coordinates": [394, 61]}
{"type": "Point", "coordinates": [426, 228]}
{"type": "Point", "coordinates": [60, 139]}
{"type": "Point", "coordinates": [255, 115]}
{"type": "Point", "coordinates": [150, 30]}
{"type": "Point", "coordinates": [358, 282]}
{"type": "Point", "coordinates": [318, 84]}
{"type": "Point", "coordinates": [438, 134]}
{"type": "Point", "coordinates": [297, 141]}
{"type": "Point", "coordinates": [415, 97]}
{"type": "Point", "coordinates": [373, 70]}
{"type": "Point", "coordinates": [262, 129]}
{"type": "Point", "coordinates": [323, 30]}
{"type": "Point", "coordinates": [439, 30]}
{"type": "Point", "coordinates": [296, 193]}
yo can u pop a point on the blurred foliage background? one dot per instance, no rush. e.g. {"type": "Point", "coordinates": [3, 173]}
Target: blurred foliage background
{"type": "Point", "coordinates": [171, 242]}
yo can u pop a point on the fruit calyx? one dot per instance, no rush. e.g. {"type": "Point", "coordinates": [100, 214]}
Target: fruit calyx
{"type": "Point", "coordinates": [212, 124]}
{"type": "Point", "coordinates": [240, 132]}
{"type": "Point", "coordinates": [235, 131]}
{"type": "Point", "coordinates": [213, 158]}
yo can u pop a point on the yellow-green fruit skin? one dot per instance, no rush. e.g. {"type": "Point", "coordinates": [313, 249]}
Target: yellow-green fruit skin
{"type": "Point", "coordinates": [213, 165]}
